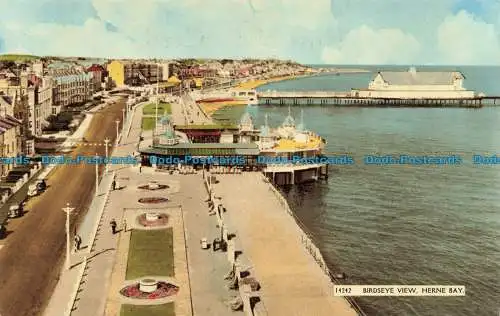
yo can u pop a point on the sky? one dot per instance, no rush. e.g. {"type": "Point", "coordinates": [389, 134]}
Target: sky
{"type": "Point", "coordinates": [422, 32]}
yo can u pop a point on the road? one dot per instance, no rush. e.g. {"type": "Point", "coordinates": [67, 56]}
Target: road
{"type": "Point", "coordinates": [33, 253]}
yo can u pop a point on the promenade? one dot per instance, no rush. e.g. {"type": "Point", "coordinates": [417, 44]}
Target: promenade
{"type": "Point", "coordinates": [292, 282]}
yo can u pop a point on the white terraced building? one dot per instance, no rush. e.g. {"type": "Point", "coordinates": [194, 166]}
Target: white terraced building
{"type": "Point", "coordinates": [416, 85]}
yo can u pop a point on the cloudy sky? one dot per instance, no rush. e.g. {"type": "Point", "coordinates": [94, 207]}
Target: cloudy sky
{"type": "Point", "coordinates": [465, 32]}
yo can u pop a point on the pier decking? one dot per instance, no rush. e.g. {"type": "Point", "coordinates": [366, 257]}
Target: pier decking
{"type": "Point", "coordinates": [347, 99]}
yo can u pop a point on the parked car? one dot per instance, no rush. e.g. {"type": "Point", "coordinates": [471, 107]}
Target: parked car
{"type": "Point", "coordinates": [3, 231]}
{"type": "Point", "coordinates": [204, 243]}
{"type": "Point", "coordinates": [32, 190]}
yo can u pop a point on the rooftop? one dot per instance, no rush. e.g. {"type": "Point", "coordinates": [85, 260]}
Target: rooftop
{"type": "Point", "coordinates": [206, 127]}
{"type": "Point", "coordinates": [413, 77]}
{"type": "Point", "coordinates": [204, 149]}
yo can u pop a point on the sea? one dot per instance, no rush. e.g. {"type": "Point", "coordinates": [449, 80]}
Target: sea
{"type": "Point", "coordinates": [404, 225]}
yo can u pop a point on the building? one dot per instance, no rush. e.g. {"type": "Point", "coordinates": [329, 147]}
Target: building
{"type": "Point", "coordinates": [39, 104]}
{"type": "Point", "coordinates": [71, 86]}
{"type": "Point", "coordinates": [167, 70]}
{"type": "Point", "coordinates": [10, 133]}
{"type": "Point", "coordinates": [416, 85]}
{"type": "Point", "coordinates": [98, 74]}
{"type": "Point", "coordinates": [134, 73]}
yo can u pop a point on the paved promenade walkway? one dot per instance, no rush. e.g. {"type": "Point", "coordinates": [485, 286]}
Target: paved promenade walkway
{"type": "Point", "coordinates": [206, 267]}
{"type": "Point", "coordinates": [292, 283]}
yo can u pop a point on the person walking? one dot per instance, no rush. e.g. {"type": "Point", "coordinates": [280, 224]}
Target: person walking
{"type": "Point", "coordinates": [124, 224]}
{"type": "Point", "coordinates": [113, 226]}
{"type": "Point", "coordinates": [113, 185]}
{"type": "Point", "coordinates": [78, 242]}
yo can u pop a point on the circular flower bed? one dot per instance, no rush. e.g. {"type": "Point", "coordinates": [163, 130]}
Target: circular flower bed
{"type": "Point", "coordinates": [162, 220]}
{"type": "Point", "coordinates": [153, 188]}
{"type": "Point", "coordinates": [164, 290]}
{"type": "Point", "coordinates": [153, 200]}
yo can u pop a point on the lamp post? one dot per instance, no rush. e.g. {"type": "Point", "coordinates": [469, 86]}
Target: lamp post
{"type": "Point", "coordinates": [68, 210]}
{"type": "Point", "coordinates": [117, 130]}
{"type": "Point", "coordinates": [157, 94]}
{"type": "Point", "coordinates": [106, 143]}
{"type": "Point", "coordinates": [96, 174]}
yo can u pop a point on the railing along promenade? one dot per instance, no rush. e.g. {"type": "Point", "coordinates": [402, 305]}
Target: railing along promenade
{"type": "Point", "coordinates": [311, 247]}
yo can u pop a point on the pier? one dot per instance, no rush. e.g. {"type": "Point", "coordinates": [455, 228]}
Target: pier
{"type": "Point", "coordinates": [348, 99]}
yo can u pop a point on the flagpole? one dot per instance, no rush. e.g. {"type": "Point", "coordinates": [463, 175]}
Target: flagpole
{"type": "Point", "coordinates": [157, 94]}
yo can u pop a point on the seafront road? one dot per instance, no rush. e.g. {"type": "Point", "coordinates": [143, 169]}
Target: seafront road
{"type": "Point", "coordinates": [32, 255]}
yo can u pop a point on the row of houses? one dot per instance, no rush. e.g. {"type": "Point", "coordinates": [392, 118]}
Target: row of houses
{"type": "Point", "coordinates": [31, 93]}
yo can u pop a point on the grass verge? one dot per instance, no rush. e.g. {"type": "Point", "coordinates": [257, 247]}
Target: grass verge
{"type": "Point", "coordinates": [148, 123]}
{"type": "Point", "coordinates": [151, 252]}
{"type": "Point", "coordinates": [163, 108]}
{"type": "Point", "coordinates": [148, 310]}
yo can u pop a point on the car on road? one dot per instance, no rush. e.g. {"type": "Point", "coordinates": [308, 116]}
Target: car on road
{"type": "Point", "coordinates": [204, 243]}
{"type": "Point", "coordinates": [37, 188]}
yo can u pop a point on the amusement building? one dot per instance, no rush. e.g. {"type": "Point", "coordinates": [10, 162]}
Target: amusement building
{"type": "Point", "coordinates": [277, 152]}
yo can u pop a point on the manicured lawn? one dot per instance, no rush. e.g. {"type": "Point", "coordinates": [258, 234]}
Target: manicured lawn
{"type": "Point", "coordinates": [163, 108]}
{"type": "Point", "coordinates": [148, 310]}
{"type": "Point", "coordinates": [151, 252]}
{"type": "Point", "coordinates": [148, 123]}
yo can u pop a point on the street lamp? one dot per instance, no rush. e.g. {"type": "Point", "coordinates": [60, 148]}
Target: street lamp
{"type": "Point", "coordinates": [117, 130]}
{"type": "Point", "coordinates": [68, 210]}
{"type": "Point", "coordinates": [96, 174]}
{"type": "Point", "coordinates": [106, 143]}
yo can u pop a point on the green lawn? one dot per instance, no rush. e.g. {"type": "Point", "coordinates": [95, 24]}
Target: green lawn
{"type": "Point", "coordinates": [148, 123]}
{"type": "Point", "coordinates": [163, 108]}
{"type": "Point", "coordinates": [148, 310]}
{"type": "Point", "coordinates": [151, 252]}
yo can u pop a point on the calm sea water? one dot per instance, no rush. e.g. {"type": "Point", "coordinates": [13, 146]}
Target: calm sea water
{"type": "Point", "coordinates": [406, 225]}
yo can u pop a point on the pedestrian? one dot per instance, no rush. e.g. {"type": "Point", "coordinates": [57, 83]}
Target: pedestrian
{"type": "Point", "coordinates": [113, 226]}
{"type": "Point", "coordinates": [78, 242]}
{"type": "Point", "coordinates": [113, 185]}
{"type": "Point", "coordinates": [124, 224]}
{"type": "Point", "coordinates": [140, 168]}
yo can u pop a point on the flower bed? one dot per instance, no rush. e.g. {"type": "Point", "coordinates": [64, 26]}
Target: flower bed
{"type": "Point", "coordinates": [153, 200]}
{"type": "Point", "coordinates": [161, 221]}
{"type": "Point", "coordinates": [164, 290]}
{"type": "Point", "coordinates": [159, 187]}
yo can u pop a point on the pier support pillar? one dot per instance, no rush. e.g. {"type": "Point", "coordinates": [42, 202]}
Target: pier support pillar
{"type": "Point", "coordinates": [274, 177]}
{"type": "Point", "coordinates": [292, 180]}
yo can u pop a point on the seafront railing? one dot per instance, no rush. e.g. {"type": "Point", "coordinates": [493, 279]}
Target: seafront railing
{"type": "Point", "coordinates": [313, 250]}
